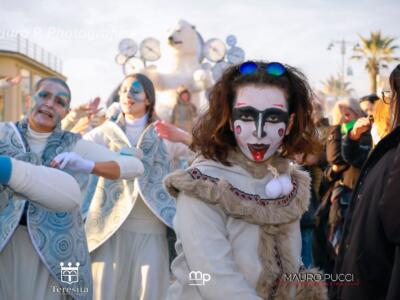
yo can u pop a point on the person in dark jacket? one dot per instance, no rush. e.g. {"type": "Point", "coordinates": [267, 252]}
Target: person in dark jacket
{"type": "Point", "coordinates": [367, 104]}
{"type": "Point", "coordinates": [354, 152]}
{"type": "Point", "coordinates": [307, 221]}
{"type": "Point", "coordinates": [314, 165]}
{"type": "Point", "coordinates": [341, 174]}
{"type": "Point", "coordinates": [378, 124]}
{"type": "Point", "coordinates": [370, 247]}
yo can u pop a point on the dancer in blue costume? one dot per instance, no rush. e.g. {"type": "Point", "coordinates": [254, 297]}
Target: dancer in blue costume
{"type": "Point", "coordinates": [40, 219]}
{"type": "Point", "coordinates": [126, 222]}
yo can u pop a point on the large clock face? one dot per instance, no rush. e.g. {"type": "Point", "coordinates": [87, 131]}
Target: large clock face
{"type": "Point", "coordinates": [235, 55]}
{"type": "Point", "coordinates": [133, 65]}
{"type": "Point", "coordinates": [214, 50]}
{"type": "Point", "coordinates": [127, 47]}
{"type": "Point", "coordinates": [150, 49]}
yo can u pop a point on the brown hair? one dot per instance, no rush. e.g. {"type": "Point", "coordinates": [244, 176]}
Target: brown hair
{"type": "Point", "coordinates": [149, 90]}
{"type": "Point", "coordinates": [212, 135]}
{"type": "Point", "coordinates": [394, 81]}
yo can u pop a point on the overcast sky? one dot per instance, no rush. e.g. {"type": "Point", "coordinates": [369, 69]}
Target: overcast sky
{"type": "Point", "coordinates": [85, 34]}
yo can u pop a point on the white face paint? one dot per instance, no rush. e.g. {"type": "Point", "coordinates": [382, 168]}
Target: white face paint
{"type": "Point", "coordinates": [260, 117]}
{"type": "Point", "coordinates": [133, 98]}
{"type": "Point", "coordinates": [52, 101]}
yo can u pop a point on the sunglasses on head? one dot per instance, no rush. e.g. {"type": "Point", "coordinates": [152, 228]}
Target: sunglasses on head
{"type": "Point", "coordinates": [273, 68]}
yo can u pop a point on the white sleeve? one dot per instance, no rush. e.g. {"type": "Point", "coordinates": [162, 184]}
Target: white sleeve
{"type": "Point", "coordinates": [52, 188]}
{"type": "Point", "coordinates": [129, 166]}
{"type": "Point", "coordinates": [97, 136]}
{"type": "Point", "coordinates": [202, 231]}
{"type": "Point", "coordinates": [177, 150]}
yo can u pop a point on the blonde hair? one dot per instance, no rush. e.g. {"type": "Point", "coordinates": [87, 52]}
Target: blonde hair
{"type": "Point", "coordinates": [382, 117]}
{"type": "Point", "coordinates": [350, 103]}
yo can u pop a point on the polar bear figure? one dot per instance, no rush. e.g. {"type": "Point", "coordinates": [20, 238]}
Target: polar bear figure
{"type": "Point", "coordinates": [180, 65]}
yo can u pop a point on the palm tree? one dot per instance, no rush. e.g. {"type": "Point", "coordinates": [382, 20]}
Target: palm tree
{"type": "Point", "coordinates": [377, 50]}
{"type": "Point", "coordinates": [335, 87]}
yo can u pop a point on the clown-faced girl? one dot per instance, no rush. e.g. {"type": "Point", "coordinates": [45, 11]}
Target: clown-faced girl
{"type": "Point", "coordinates": [239, 204]}
{"type": "Point", "coordinates": [41, 229]}
{"type": "Point", "coordinates": [126, 223]}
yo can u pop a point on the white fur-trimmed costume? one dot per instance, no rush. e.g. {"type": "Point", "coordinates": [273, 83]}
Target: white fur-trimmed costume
{"type": "Point", "coordinates": [227, 228]}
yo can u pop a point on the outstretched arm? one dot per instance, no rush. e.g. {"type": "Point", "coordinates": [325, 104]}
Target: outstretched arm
{"type": "Point", "coordinates": [49, 187]}
{"type": "Point", "coordinates": [177, 141]}
{"type": "Point", "coordinates": [107, 163]}
{"type": "Point", "coordinates": [10, 81]}
{"type": "Point", "coordinates": [113, 166]}
{"type": "Point", "coordinates": [86, 109]}
{"type": "Point", "coordinates": [172, 133]}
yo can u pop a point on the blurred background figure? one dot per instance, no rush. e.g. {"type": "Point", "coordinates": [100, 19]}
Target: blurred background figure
{"type": "Point", "coordinates": [311, 249]}
{"type": "Point", "coordinates": [9, 81]}
{"type": "Point", "coordinates": [6, 83]}
{"type": "Point", "coordinates": [184, 113]}
{"type": "Point", "coordinates": [370, 245]}
{"type": "Point", "coordinates": [312, 225]}
{"type": "Point", "coordinates": [382, 123]}
{"type": "Point", "coordinates": [339, 176]}
{"type": "Point", "coordinates": [367, 103]}
{"type": "Point", "coordinates": [354, 150]}
{"type": "Point", "coordinates": [307, 222]}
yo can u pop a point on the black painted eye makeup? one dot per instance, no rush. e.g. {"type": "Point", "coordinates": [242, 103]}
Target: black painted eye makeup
{"type": "Point", "coordinates": [275, 115]}
{"type": "Point", "coordinates": [250, 114]}
{"type": "Point", "coordinates": [269, 115]}
{"type": "Point", "coordinates": [246, 114]}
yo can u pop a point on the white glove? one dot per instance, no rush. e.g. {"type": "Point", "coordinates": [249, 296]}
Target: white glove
{"type": "Point", "coordinates": [74, 163]}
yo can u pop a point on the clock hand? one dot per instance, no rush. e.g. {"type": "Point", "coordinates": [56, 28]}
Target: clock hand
{"type": "Point", "coordinates": [215, 50]}
{"type": "Point", "coordinates": [151, 50]}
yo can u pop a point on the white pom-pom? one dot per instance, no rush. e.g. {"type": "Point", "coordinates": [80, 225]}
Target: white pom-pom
{"type": "Point", "coordinates": [273, 189]}
{"type": "Point", "coordinates": [286, 184]}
